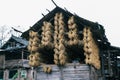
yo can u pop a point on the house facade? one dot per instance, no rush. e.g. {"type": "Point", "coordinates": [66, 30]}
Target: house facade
{"type": "Point", "coordinates": [14, 54]}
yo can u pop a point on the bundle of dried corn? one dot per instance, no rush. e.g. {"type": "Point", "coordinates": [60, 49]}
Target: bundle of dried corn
{"type": "Point", "coordinates": [33, 34]}
{"type": "Point", "coordinates": [56, 40]}
{"type": "Point", "coordinates": [90, 48]}
{"type": "Point", "coordinates": [60, 56]}
{"type": "Point", "coordinates": [33, 47]}
{"type": "Point", "coordinates": [73, 33]}
{"type": "Point", "coordinates": [34, 59]}
{"type": "Point", "coordinates": [34, 42]}
{"type": "Point", "coordinates": [47, 69]}
{"type": "Point", "coordinates": [47, 33]}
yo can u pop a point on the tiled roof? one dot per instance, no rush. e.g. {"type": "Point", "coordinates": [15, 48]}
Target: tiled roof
{"type": "Point", "coordinates": [15, 39]}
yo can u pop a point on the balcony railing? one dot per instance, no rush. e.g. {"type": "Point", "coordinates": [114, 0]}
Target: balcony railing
{"type": "Point", "coordinates": [15, 63]}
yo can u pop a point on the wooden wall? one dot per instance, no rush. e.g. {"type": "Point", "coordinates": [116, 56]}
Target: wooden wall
{"type": "Point", "coordinates": [69, 72]}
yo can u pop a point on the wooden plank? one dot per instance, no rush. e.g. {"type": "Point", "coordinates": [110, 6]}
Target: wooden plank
{"type": "Point", "coordinates": [44, 76]}
{"type": "Point", "coordinates": [68, 72]}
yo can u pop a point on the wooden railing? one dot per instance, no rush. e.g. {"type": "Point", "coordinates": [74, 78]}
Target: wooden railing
{"type": "Point", "coordinates": [16, 63]}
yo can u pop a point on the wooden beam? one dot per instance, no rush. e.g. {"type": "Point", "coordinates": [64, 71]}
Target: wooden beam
{"type": "Point", "coordinates": [54, 3]}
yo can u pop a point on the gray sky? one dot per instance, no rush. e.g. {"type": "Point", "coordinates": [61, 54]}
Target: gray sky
{"type": "Point", "coordinates": [25, 13]}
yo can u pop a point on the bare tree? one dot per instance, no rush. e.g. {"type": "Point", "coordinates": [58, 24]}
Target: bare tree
{"type": "Point", "coordinates": [6, 31]}
{"type": "Point", "coordinates": [3, 29]}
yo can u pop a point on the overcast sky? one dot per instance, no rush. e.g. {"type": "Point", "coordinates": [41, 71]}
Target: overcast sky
{"type": "Point", "coordinates": [25, 13]}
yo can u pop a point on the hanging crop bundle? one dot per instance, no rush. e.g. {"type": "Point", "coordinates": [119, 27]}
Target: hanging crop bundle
{"type": "Point", "coordinates": [60, 56]}
{"type": "Point", "coordinates": [90, 48]}
{"type": "Point", "coordinates": [33, 47]}
{"type": "Point", "coordinates": [47, 33]}
{"type": "Point", "coordinates": [33, 41]}
{"type": "Point", "coordinates": [73, 33]}
{"type": "Point", "coordinates": [47, 69]}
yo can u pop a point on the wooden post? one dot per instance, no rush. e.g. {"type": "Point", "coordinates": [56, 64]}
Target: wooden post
{"type": "Point", "coordinates": [35, 74]}
{"type": "Point", "coordinates": [109, 64]}
{"type": "Point", "coordinates": [4, 62]}
{"type": "Point", "coordinates": [22, 54]}
{"type": "Point", "coordinates": [32, 73]}
{"type": "Point", "coordinates": [6, 74]}
{"type": "Point", "coordinates": [19, 76]}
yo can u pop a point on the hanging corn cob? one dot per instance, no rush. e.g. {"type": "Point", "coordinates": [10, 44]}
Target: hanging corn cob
{"type": "Point", "coordinates": [90, 48]}
{"type": "Point", "coordinates": [47, 69]}
{"type": "Point", "coordinates": [47, 33]}
{"type": "Point", "coordinates": [33, 41]}
{"type": "Point", "coordinates": [73, 33]}
{"type": "Point", "coordinates": [33, 34]}
{"type": "Point", "coordinates": [62, 52]}
{"type": "Point", "coordinates": [60, 56]}
{"type": "Point", "coordinates": [56, 32]}
{"type": "Point", "coordinates": [34, 59]}
{"type": "Point", "coordinates": [33, 47]}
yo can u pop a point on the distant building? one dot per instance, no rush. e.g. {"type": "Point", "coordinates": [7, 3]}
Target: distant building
{"type": "Point", "coordinates": [13, 56]}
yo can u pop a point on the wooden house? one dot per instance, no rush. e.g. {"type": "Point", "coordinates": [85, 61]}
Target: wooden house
{"type": "Point", "coordinates": [13, 56]}
{"type": "Point", "coordinates": [75, 66]}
